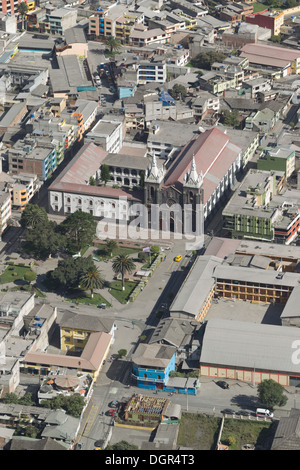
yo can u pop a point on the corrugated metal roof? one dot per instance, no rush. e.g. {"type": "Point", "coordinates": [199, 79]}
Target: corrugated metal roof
{"type": "Point", "coordinates": [249, 345]}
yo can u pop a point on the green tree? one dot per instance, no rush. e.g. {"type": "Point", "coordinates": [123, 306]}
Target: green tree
{"type": "Point", "coordinates": [204, 60]}
{"type": "Point", "coordinates": [270, 393]}
{"type": "Point", "coordinates": [111, 246]}
{"type": "Point", "coordinates": [178, 91]}
{"type": "Point", "coordinates": [104, 173]}
{"type": "Point", "coordinates": [70, 271]}
{"type": "Point", "coordinates": [80, 229]}
{"type": "Point", "coordinates": [73, 405]}
{"type": "Point", "coordinates": [229, 118]}
{"type": "Point", "coordinates": [123, 265]}
{"type": "Point", "coordinates": [122, 445]}
{"type": "Point", "coordinates": [122, 352]}
{"type": "Point", "coordinates": [92, 181]}
{"type": "Point", "coordinates": [45, 240]}
{"type": "Point", "coordinates": [30, 276]}
{"type": "Point", "coordinates": [276, 38]}
{"type": "Point", "coordinates": [22, 9]}
{"type": "Point", "coordinates": [155, 249]}
{"type": "Point", "coordinates": [31, 431]}
{"type": "Point", "coordinates": [11, 398]}
{"type": "Point", "coordinates": [32, 216]}
{"type": "Point", "coordinates": [26, 400]}
{"type": "Point", "coordinates": [91, 280]}
{"type": "Point", "coordinates": [113, 43]}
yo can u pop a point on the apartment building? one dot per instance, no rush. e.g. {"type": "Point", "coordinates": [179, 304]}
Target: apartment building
{"type": "Point", "coordinates": [22, 188]}
{"type": "Point", "coordinates": [5, 211]}
{"type": "Point", "coordinates": [277, 159]}
{"type": "Point", "coordinates": [269, 19]}
{"type": "Point", "coordinates": [151, 71]}
{"type": "Point", "coordinates": [9, 6]}
{"type": "Point", "coordinates": [108, 134]}
{"type": "Point", "coordinates": [141, 36]}
{"type": "Point", "coordinates": [103, 22]}
{"type": "Point", "coordinates": [26, 158]}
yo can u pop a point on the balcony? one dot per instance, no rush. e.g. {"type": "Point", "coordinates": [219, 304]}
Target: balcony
{"type": "Point", "coordinates": [148, 379]}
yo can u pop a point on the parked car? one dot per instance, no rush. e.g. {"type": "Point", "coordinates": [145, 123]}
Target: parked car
{"type": "Point", "coordinates": [228, 411]}
{"type": "Point", "coordinates": [111, 412]}
{"type": "Point", "coordinates": [223, 384]}
{"type": "Point", "coordinates": [243, 413]}
{"type": "Point", "coordinates": [103, 305]}
{"type": "Point", "coordinates": [114, 404]}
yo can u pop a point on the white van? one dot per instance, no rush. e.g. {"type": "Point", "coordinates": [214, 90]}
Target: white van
{"type": "Point", "coordinates": [263, 412]}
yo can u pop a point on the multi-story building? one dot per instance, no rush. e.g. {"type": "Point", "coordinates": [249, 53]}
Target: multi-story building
{"type": "Point", "coordinates": [216, 83]}
{"type": "Point", "coordinates": [22, 188]}
{"type": "Point", "coordinates": [103, 22]}
{"type": "Point", "coordinates": [247, 214]}
{"type": "Point", "coordinates": [270, 19]}
{"type": "Point", "coordinates": [152, 364]}
{"type": "Point", "coordinates": [27, 158]}
{"type": "Point", "coordinates": [125, 24]}
{"type": "Point", "coordinates": [142, 36]}
{"type": "Point", "coordinates": [5, 211]}
{"type": "Point", "coordinates": [151, 71]}
{"type": "Point", "coordinates": [57, 21]}
{"type": "Point", "coordinates": [108, 134]}
{"type": "Point", "coordinates": [167, 138]}
{"type": "Point", "coordinates": [277, 159]}
{"type": "Point", "coordinates": [256, 211]}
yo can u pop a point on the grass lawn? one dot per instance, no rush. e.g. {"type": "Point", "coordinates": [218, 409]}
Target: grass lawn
{"type": "Point", "coordinates": [81, 297]}
{"type": "Point", "coordinates": [121, 250]}
{"type": "Point", "coordinates": [115, 288]}
{"type": "Point", "coordinates": [199, 432]}
{"type": "Point", "coordinates": [13, 273]}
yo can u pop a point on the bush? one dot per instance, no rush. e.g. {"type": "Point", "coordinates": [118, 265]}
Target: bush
{"type": "Point", "coordinates": [122, 352]}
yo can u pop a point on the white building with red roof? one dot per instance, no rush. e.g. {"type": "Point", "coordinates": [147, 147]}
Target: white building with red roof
{"type": "Point", "coordinates": [71, 190]}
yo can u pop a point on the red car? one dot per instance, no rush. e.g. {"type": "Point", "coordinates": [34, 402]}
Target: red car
{"type": "Point", "coordinates": [111, 412]}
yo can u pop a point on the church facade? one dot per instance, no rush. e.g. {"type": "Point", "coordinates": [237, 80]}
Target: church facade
{"type": "Point", "coordinates": [195, 181]}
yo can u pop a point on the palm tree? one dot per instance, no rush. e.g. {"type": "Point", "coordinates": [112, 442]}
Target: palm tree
{"type": "Point", "coordinates": [22, 10]}
{"type": "Point", "coordinates": [33, 215]}
{"type": "Point", "coordinates": [111, 245]}
{"type": "Point", "coordinates": [92, 280]}
{"type": "Point", "coordinates": [123, 265]}
{"type": "Point", "coordinates": [113, 43]}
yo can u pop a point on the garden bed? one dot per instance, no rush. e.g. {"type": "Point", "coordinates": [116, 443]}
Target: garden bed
{"type": "Point", "coordinates": [115, 288]}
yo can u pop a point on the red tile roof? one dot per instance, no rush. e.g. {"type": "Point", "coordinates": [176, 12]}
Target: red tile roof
{"type": "Point", "coordinates": [214, 154]}
{"type": "Point", "coordinates": [75, 177]}
{"type": "Point", "coordinates": [90, 359]}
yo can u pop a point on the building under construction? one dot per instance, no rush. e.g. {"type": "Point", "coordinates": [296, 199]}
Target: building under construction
{"type": "Point", "coordinates": [145, 409]}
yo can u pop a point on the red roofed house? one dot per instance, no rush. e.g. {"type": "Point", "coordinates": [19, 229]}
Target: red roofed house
{"type": "Point", "coordinates": [201, 173]}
